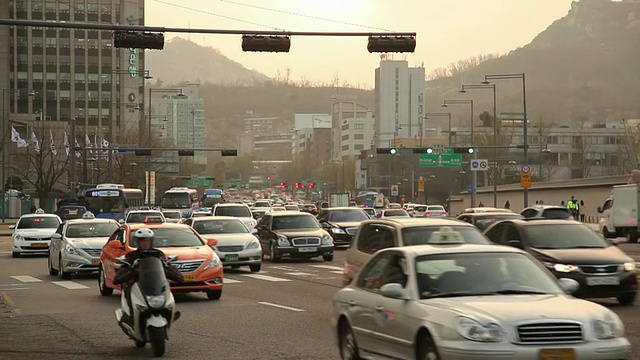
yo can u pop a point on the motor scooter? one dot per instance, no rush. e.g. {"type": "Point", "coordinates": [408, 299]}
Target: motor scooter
{"type": "Point", "coordinates": [153, 309]}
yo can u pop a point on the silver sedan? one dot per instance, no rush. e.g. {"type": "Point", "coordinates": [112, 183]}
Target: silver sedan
{"type": "Point", "coordinates": [469, 302]}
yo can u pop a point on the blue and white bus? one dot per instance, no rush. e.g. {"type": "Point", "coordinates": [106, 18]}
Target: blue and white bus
{"type": "Point", "coordinates": [106, 201]}
{"type": "Point", "coordinates": [182, 199]}
{"type": "Point", "coordinates": [212, 197]}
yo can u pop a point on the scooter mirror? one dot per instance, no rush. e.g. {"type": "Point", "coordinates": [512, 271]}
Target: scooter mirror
{"type": "Point", "coordinates": [172, 258]}
{"type": "Point", "coordinates": [212, 242]}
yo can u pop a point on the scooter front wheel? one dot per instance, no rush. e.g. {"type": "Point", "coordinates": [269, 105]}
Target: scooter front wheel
{"type": "Point", "coordinates": [140, 344]}
{"type": "Point", "coordinates": [157, 339]}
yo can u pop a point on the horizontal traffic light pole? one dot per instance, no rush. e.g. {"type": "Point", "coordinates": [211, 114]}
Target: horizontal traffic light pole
{"type": "Point", "coordinates": [148, 151]}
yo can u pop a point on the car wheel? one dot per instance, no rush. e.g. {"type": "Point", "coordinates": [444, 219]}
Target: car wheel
{"type": "Point", "coordinates": [627, 299]}
{"type": "Point", "coordinates": [235, 266]}
{"type": "Point", "coordinates": [102, 283]}
{"type": "Point", "coordinates": [214, 294]}
{"type": "Point", "coordinates": [15, 254]}
{"type": "Point", "coordinates": [632, 237]}
{"type": "Point", "coordinates": [272, 253]}
{"type": "Point", "coordinates": [428, 349]}
{"type": "Point", "coordinates": [61, 273]}
{"type": "Point", "coordinates": [607, 234]}
{"type": "Point", "coordinates": [327, 257]}
{"type": "Point", "coordinates": [52, 271]}
{"type": "Point", "coordinates": [255, 268]}
{"type": "Point", "coordinates": [348, 345]}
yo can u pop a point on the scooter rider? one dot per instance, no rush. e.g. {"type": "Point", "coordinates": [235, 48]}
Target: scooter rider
{"type": "Point", "coordinates": [127, 275]}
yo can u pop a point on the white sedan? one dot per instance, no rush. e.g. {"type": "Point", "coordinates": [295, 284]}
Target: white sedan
{"type": "Point", "coordinates": [32, 233]}
{"type": "Point", "coordinates": [465, 301]}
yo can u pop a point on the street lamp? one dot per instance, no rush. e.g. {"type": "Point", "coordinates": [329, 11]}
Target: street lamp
{"type": "Point", "coordinates": [495, 132]}
{"type": "Point", "coordinates": [475, 153]}
{"type": "Point", "coordinates": [426, 116]}
{"type": "Point", "coordinates": [146, 76]}
{"type": "Point", "coordinates": [521, 76]}
{"type": "Point", "coordinates": [31, 93]}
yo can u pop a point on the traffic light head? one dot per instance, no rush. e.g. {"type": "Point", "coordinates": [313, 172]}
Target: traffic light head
{"type": "Point", "coordinates": [423, 151]}
{"type": "Point", "coordinates": [392, 151]}
{"type": "Point", "coordinates": [297, 185]}
{"type": "Point", "coordinates": [464, 150]}
{"type": "Point", "coordinates": [311, 185]}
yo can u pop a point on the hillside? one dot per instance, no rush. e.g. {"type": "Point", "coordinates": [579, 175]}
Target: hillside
{"type": "Point", "coordinates": [182, 60]}
{"type": "Point", "coordinates": [584, 65]}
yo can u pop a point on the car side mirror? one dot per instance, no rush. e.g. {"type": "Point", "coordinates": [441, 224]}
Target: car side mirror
{"type": "Point", "coordinates": [115, 245]}
{"type": "Point", "coordinates": [121, 221]}
{"type": "Point", "coordinates": [599, 210]}
{"type": "Point", "coordinates": [254, 231]}
{"type": "Point", "coordinates": [212, 242]}
{"type": "Point", "coordinates": [56, 236]}
{"type": "Point", "coordinates": [569, 285]}
{"type": "Point", "coordinates": [393, 291]}
{"type": "Point", "coordinates": [12, 226]}
{"type": "Point", "coordinates": [515, 244]}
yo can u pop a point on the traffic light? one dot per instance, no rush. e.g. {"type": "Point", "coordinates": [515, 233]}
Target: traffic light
{"type": "Point", "coordinates": [311, 185]}
{"type": "Point", "coordinates": [464, 150]}
{"type": "Point", "coordinates": [185, 152]}
{"type": "Point", "coordinates": [266, 43]}
{"type": "Point", "coordinates": [297, 185]}
{"type": "Point", "coordinates": [229, 152]}
{"type": "Point", "coordinates": [138, 40]}
{"type": "Point", "coordinates": [143, 152]}
{"type": "Point", "coordinates": [387, 44]}
{"type": "Point", "coordinates": [283, 185]}
{"type": "Point", "coordinates": [391, 151]}
{"type": "Point", "coordinates": [423, 151]}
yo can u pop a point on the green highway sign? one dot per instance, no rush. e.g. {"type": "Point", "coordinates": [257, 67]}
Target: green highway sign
{"type": "Point", "coordinates": [199, 182]}
{"type": "Point", "coordinates": [447, 159]}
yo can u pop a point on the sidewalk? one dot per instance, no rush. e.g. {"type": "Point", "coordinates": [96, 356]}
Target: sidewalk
{"type": "Point", "coordinates": [4, 227]}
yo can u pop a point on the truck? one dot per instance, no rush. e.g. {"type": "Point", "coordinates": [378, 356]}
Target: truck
{"type": "Point", "coordinates": [338, 200]}
{"type": "Point", "coordinates": [620, 216]}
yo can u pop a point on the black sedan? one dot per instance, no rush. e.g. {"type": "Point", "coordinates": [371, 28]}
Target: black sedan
{"type": "Point", "coordinates": [293, 235]}
{"type": "Point", "coordinates": [570, 249]}
{"type": "Point", "coordinates": [342, 223]}
{"type": "Point", "coordinates": [483, 220]}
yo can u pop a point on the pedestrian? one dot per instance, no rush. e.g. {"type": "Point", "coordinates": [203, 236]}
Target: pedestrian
{"type": "Point", "coordinates": [562, 203]}
{"type": "Point", "coordinates": [33, 209]}
{"type": "Point", "coordinates": [583, 211]}
{"type": "Point", "coordinates": [481, 204]}
{"type": "Point", "coordinates": [536, 202]}
{"type": "Point", "coordinates": [541, 202]}
{"type": "Point", "coordinates": [507, 205]}
{"type": "Point", "coordinates": [574, 207]}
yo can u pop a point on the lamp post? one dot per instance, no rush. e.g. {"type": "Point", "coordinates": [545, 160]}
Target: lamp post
{"type": "Point", "coordinates": [30, 92]}
{"type": "Point", "coordinates": [474, 174]}
{"type": "Point", "coordinates": [487, 80]}
{"type": "Point", "coordinates": [495, 133]}
{"type": "Point", "coordinates": [146, 75]}
{"type": "Point", "coordinates": [426, 116]}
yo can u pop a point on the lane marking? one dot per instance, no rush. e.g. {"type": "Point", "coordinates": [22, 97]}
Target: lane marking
{"type": "Point", "coordinates": [10, 284]}
{"type": "Point", "coordinates": [330, 267]}
{"type": "Point", "coordinates": [26, 278]}
{"type": "Point", "coordinates": [265, 277]}
{"type": "Point", "coordinates": [287, 268]}
{"type": "Point", "coordinates": [11, 289]}
{"type": "Point", "coordinates": [337, 272]}
{"type": "Point", "coordinates": [5, 252]}
{"type": "Point", "coordinates": [70, 285]}
{"type": "Point", "coordinates": [230, 281]}
{"type": "Point", "coordinates": [280, 306]}
{"type": "Point", "coordinates": [10, 302]}
{"type": "Point", "coordinates": [298, 274]}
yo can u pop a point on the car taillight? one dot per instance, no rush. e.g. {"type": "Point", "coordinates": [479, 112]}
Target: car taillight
{"type": "Point", "coordinates": [414, 211]}
{"type": "Point", "coordinates": [571, 218]}
{"type": "Point", "coordinates": [443, 213]}
{"type": "Point", "coordinates": [428, 212]}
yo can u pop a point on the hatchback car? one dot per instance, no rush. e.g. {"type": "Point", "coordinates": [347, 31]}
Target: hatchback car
{"type": "Point", "coordinates": [240, 211]}
{"type": "Point", "coordinates": [342, 223]}
{"type": "Point", "coordinates": [68, 212]}
{"type": "Point", "coordinates": [570, 249]}
{"type": "Point", "coordinates": [430, 211]}
{"type": "Point", "coordinates": [547, 212]}
{"type": "Point", "coordinates": [32, 233]}
{"type": "Point", "coordinates": [139, 216]}
{"type": "Point", "coordinates": [293, 235]}
{"type": "Point", "coordinates": [235, 243]}
{"type": "Point", "coordinates": [483, 220]}
{"type": "Point", "coordinates": [199, 264]}
{"type": "Point", "coordinates": [377, 234]}
{"type": "Point", "coordinates": [461, 301]}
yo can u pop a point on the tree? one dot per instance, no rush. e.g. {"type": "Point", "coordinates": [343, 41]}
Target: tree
{"type": "Point", "coordinates": [548, 162]}
{"type": "Point", "coordinates": [630, 160]}
{"type": "Point", "coordinates": [242, 165]}
{"type": "Point", "coordinates": [487, 119]}
{"type": "Point", "coordinates": [585, 152]}
{"type": "Point", "coordinates": [14, 183]}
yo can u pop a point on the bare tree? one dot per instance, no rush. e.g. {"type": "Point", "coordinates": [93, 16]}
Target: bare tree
{"type": "Point", "coordinates": [584, 155]}
{"type": "Point", "coordinates": [548, 164]}
{"type": "Point", "coordinates": [461, 66]}
{"type": "Point", "coordinates": [630, 159]}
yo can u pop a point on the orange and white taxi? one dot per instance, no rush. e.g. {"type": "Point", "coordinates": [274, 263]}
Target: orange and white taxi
{"type": "Point", "coordinates": [197, 262]}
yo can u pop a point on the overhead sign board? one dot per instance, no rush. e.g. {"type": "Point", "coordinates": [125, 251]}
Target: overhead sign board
{"type": "Point", "coordinates": [447, 160]}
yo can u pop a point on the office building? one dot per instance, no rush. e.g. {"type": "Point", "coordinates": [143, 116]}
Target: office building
{"type": "Point", "coordinates": [353, 129]}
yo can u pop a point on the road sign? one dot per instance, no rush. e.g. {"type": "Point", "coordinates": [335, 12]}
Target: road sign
{"type": "Point", "coordinates": [394, 190]}
{"type": "Point", "coordinates": [447, 159]}
{"type": "Point", "coordinates": [126, 150]}
{"type": "Point", "coordinates": [479, 165]}
{"type": "Point", "coordinates": [421, 178]}
{"type": "Point", "coordinates": [198, 182]}
{"type": "Point", "coordinates": [421, 185]}
{"type": "Point", "coordinates": [526, 168]}
{"type": "Point", "coordinates": [525, 180]}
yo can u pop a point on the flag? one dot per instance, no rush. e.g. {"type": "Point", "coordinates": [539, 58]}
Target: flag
{"type": "Point", "coordinates": [16, 138]}
{"type": "Point", "coordinates": [78, 153]}
{"type": "Point", "coordinates": [35, 141]}
{"type": "Point", "coordinates": [105, 145]}
{"type": "Point", "coordinates": [87, 141]}
{"type": "Point", "coordinates": [67, 147]}
{"type": "Point", "coordinates": [53, 145]}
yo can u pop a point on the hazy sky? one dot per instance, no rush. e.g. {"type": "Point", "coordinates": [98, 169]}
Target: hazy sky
{"type": "Point", "coordinates": [448, 30]}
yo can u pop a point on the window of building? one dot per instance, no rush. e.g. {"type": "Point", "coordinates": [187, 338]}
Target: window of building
{"type": "Point", "coordinates": [358, 147]}
{"type": "Point", "coordinates": [348, 114]}
{"type": "Point", "coordinates": [564, 159]}
{"type": "Point", "coordinates": [345, 127]}
{"type": "Point", "coordinates": [358, 136]}
{"type": "Point", "coordinates": [37, 59]}
{"type": "Point", "coordinates": [37, 76]}
{"type": "Point", "coordinates": [51, 42]}
{"type": "Point", "coordinates": [65, 43]}
{"type": "Point", "coordinates": [52, 77]}
{"type": "Point", "coordinates": [345, 147]}
{"type": "Point", "coordinates": [345, 137]}
{"type": "Point", "coordinates": [23, 75]}
{"type": "Point", "coordinates": [50, 6]}
{"type": "Point", "coordinates": [358, 126]}
{"type": "Point", "coordinates": [65, 94]}
{"type": "Point", "coordinates": [361, 114]}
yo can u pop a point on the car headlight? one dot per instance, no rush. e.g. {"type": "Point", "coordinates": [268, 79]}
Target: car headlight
{"type": "Point", "coordinates": [251, 224]}
{"type": "Point", "coordinates": [70, 250]}
{"type": "Point", "coordinates": [336, 230]}
{"type": "Point", "coordinates": [18, 237]}
{"type": "Point", "coordinates": [156, 301]}
{"type": "Point", "coordinates": [327, 240]}
{"type": "Point", "coordinates": [253, 245]}
{"type": "Point", "coordinates": [214, 262]}
{"type": "Point", "coordinates": [283, 241]}
{"type": "Point", "coordinates": [563, 268]}
{"type": "Point", "coordinates": [608, 328]}
{"type": "Point", "coordinates": [629, 266]}
{"type": "Point", "coordinates": [474, 331]}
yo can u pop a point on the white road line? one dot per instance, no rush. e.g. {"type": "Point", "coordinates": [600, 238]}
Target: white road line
{"type": "Point", "coordinates": [288, 268]}
{"type": "Point", "coordinates": [10, 284]}
{"type": "Point", "coordinates": [337, 272]}
{"type": "Point", "coordinates": [230, 281]}
{"type": "Point", "coordinates": [70, 285]}
{"type": "Point", "coordinates": [26, 278]}
{"type": "Point", "coordinates": [4, 252]}
{"type": "Point", "coordinates": [11, 289]}
{"type": "Point", "coordinates": [327, 267]}
{"type": "Point", "coordinates": [280, 306]}
{"type": "Point", "coordinates": [265, 277]}
{"type": "Point", "coordinates": [298, 274]}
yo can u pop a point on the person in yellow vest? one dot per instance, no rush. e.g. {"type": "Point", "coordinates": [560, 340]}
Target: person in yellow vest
{"type": "Point", "coordinates": [574, 208]}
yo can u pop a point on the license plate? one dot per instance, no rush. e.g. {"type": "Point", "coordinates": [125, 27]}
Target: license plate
{"type": "Point", "coordinates": [556, 354]}
{"type": "Point", "coordinates": [231, 257]}
{"type": "Point", "coordinates": [95, 261]}
{"type": "Point", "coordinates": [39, 245]}
{"type": "Point", "coordinates": [189, 277]}
{"type": "Point", "coordinates": [308, 249]}
{"type": "Point", "coordinates": [603, 280]}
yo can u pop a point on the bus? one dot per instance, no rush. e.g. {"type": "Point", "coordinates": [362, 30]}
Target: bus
{"type": "Point", "coordinates": [212, 197]}
{"type": "Point", "coordinates": [366, 198]}
{"type": "Point", "coordinates": [183, 199]}
{"type": "Point", "coordinates": [106, 202]}
{"type": "Point", "coordinates": [134, 197]}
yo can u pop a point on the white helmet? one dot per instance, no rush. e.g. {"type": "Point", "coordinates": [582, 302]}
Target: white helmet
{"type": "Point", "coordinates": [39, 211]}
{"type": "Point", "coordinates": [144, 233]}
{"type": "Point", "coordinates": [88, 215]}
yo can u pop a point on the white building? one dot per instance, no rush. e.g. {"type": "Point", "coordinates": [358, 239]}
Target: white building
{"type": "Point", "coordinates": [399, 101]}
{"type": "Point", "coordinates": [353, 129]}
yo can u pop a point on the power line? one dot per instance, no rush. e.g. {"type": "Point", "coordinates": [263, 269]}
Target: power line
{"type": "Point", "coordinates": [218, 15]}
{"type": "Point", "coordinates": [306, 16]}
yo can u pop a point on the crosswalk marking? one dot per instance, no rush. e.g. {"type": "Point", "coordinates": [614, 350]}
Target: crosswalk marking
{"type": "Point", "coordinates": [4, 252]}
{"type": "Point", "coordinates": [26, 278]}
{"type": "Point", "coordinates": [70, 285]}
{"type": "Point", "coordinates": [265, 277]}
{"type": "Point", "coordinates": [230, 281]}
{"type": "Point", "coordinates": [298, 274]}
{"type": "Point", "coordinates": [337, 272]}
{"type": "Point", "coordinates": [330, 267]}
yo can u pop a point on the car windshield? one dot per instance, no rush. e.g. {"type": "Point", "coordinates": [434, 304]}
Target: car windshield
{"type": "Point", "coordinates": [556, 213]}
{"type": "Point", "coordinates": [396, 213]}
{"type": "Point", "coordinates": [435, 208]}
{"type": "Point", "coordinates": [141, 217]}
{"type": "Point", "coordinates": [101, 229]}
{"type": "Point", "coordinates": [171, 237]}
{"type": "Point", "coordinates": [483, 222]}
{"type": "Point", "coordinates": [347, 215]}
{"type": "Point", "coordinates": [294, 222]}
{"type": "Point", "coordinates": [213, 226]}
{"type": "Point", "coordinates": [563, 236]}
{"type": "Point", "coordinates": [421, 235]}
{"type": "Point", "coordinates": [36, 222]}
{"type": "Point", "coordinates": [235, 211]}
{"type": "Point", "coordinates": [172, 215]}
{"type": "Point", "coordinates": [482, 274]}
{"type": "Point", "coordinates": [420, 208]}
{"type": "Point", "coordinates": [69, 212]}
